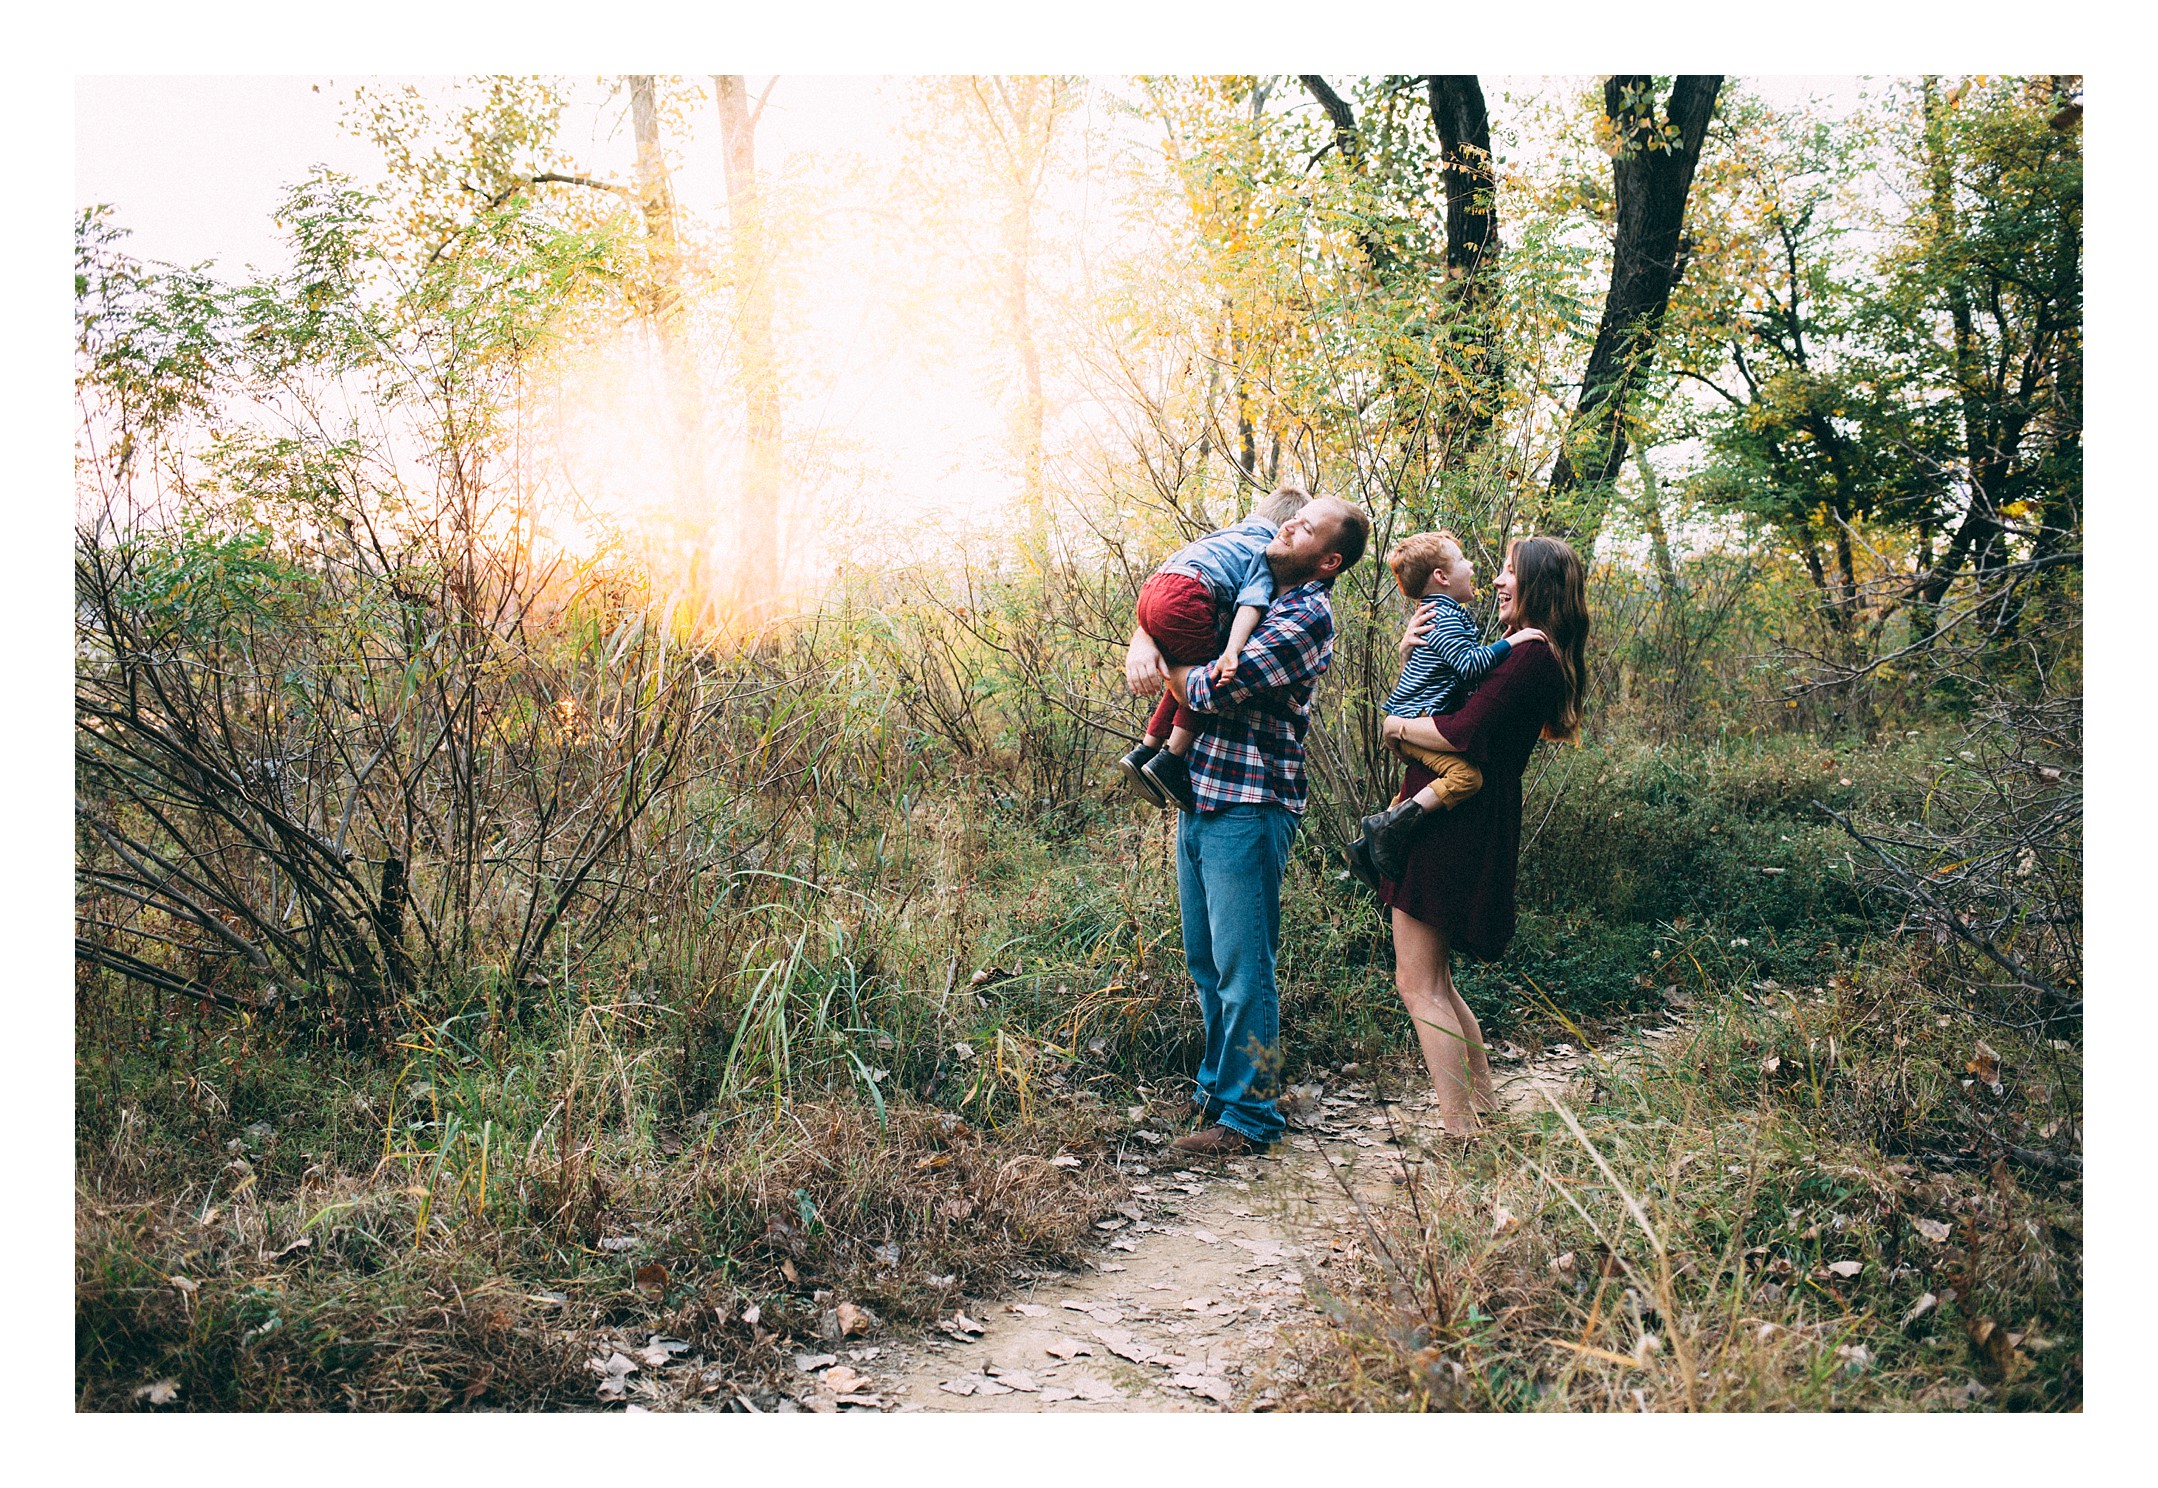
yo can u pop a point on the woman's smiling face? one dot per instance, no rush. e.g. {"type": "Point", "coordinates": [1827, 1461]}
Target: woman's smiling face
{"type": "Point", "coordinates": [1508, 590]}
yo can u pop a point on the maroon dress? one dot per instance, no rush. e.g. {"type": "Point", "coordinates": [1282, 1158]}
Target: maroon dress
{"type": "Point", "coordinates": [1460, 875]}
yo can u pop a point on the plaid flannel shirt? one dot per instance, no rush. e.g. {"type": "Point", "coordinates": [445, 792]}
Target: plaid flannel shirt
{"type": "Point", "coordinates": [1250, 746]}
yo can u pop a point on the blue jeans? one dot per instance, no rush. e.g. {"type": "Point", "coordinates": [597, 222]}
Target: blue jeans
{"type": "Point", "coordinates": [1228, 877]}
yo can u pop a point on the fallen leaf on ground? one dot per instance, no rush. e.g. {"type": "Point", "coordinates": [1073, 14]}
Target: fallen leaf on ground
{"type": "Point", "coordinates": [1985, 1064]}
{"type": "Point", "coordinates": [1066, 1348]}
{"type": "Point", "coordinates": [1932, 1229]}
{"type": "Point", "coordinates": [750, 1315]}
{"type": "Point", "coordinates": [163, 1392]}
{"type": "Point", "coordinates": [852, 1320]}
{"type": "Point", "coordinates": [1502, 1219]}
{"type": "Point", "coordinates": [1213, 1387]}
{"type": "Point", "coordinates": [1053, 1393]}
{"type": "Point", "coordinates": [186, 1285]}
{"type": "Point", "coordinates": [1018, 1379]}
{"type": "Point", "coordinates": [1063, 1160]}
{"type": "Point", "coordinates": [811, 1363]}
{"type": "Point", "coordinates": [1028, 1309]}
{"type": "Point", "coordinates": [1846, 1268]}
{"type": "Point", "coordinates": [1921, 1307]}
{"type": "Point", "coordinates": [614, 1372]}
{"type": "Point", "coordinates": [652, 1278]}
{"type": "Point", "coordinates": [842, 1380]}
{"type": "Point", "coordinates": [618, 1243]}
{"type": "Point", "coordinates": [1205, 1237]}
{"type": "Point", "coordinates": [1092, 1387]}
{"type": "Point", "coordinates": [1124, 1345]}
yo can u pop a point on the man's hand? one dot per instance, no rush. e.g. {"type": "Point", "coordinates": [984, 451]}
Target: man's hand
{"type": "Point", "coordinates": [1527, 633]}
{"type": "Point", "coordinates": [1420, 623]}
{"type": "Point", "coordinates": [1144, 672]}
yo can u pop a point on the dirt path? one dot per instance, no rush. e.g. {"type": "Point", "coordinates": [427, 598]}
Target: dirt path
{"type": "Point", "coordinates": [1199, 1273]}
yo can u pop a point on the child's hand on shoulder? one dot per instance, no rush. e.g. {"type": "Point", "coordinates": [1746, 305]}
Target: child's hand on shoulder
{"type": "Point", "coordinates": [1225, 668]}
{"type": "Point", "coordinates": [1528, 633]}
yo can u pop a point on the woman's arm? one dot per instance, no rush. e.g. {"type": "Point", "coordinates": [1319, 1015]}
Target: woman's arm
{"type": "Point", "coordinates": [1522, 681]}
{"type": "Point", "coordinates": [1421, 732]}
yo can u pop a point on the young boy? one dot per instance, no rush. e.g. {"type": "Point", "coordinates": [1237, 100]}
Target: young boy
{"type": "Point", "coordinates": [1182, 606]}
{"type": "Point", "coordinates": [1435, 678]}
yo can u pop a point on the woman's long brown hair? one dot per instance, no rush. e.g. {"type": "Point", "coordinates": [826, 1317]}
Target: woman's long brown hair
{"type": "Point", "coordinates": [1551, 590]}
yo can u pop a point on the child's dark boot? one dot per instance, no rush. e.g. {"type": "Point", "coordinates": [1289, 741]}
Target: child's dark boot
{"type": "Point", "coordinates": [1132, 769]}
{"type": "Point", "coordinates": [1173, 777]}
{"type": "Point", "coordinates": [1391, 833]}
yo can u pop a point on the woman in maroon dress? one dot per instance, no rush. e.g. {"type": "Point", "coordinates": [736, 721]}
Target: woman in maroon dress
{"type": "Point", "coordinates": [1457, 889]}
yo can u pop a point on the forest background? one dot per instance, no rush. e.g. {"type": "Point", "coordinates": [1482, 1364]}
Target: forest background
{"type": "Point", "coordinates": [542, 779]}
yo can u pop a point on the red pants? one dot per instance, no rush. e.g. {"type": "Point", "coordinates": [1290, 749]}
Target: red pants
{"type": "Point", "coordinates": [1177, 610]}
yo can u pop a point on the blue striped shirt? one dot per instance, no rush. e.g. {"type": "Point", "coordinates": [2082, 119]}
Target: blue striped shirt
{"type": "Point", "coordinates": [1444, 670]}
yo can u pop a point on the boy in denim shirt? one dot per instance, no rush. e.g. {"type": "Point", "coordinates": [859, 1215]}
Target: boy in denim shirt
{"type": "Point", "coordinates": [1184, 606]}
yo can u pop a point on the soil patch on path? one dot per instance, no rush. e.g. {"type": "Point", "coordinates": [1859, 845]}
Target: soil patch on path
{"type": "Point", "coordinates": [1201, 1270]}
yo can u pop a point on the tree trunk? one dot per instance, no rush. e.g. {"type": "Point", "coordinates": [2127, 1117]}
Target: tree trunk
{"type": "Point", "coordinates": [1472, 230]}
{"type": "Point", "coordinates": [1020, 130]}
{"type": "Point", "coordinates": [1652, 518]}
{"type": "Point", "coordinates": [655, 197]}
{"type": "Point", "coordinates": [1651, 175]}
{"type": "Point", "coordinates": [685, 400]}
{"type": "Point", "coordinates": [1350, 142]}
{"type": "Point", "coordinates": [1978, 525]}
{"type": "Point", "coordinates": [755, 582]}
{"type": "Point", "coordinates": [1472, 214]}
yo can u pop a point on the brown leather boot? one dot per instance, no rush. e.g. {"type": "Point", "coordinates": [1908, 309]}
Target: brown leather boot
{"type": "Point", "coordinates": [1218, 1141]}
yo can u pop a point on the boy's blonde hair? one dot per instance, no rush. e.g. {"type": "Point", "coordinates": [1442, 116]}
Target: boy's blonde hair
{"type": "Point", "coordinates": [1415, 559]}
{"type": "Point", "coordinates": [1288, 499]}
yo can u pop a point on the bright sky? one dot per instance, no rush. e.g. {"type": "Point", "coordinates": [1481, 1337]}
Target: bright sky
{"type": "Point", "coordinates": [195, 166]}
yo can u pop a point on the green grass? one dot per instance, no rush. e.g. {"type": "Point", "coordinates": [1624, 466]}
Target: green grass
{"type": "Point", "coordinates": [868, 1026]}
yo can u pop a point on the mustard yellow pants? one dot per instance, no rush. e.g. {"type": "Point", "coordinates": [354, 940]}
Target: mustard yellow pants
{"type": "Point", "coordinates": [1457, 778]}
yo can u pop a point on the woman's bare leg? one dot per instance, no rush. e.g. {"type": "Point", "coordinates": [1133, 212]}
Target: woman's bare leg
{"type": "Point", "coordinates": [1480, 1088]}
{"type": "Point", "coordinates": [1423, 975]}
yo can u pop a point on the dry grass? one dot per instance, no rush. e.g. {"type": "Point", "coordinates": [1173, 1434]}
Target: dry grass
{"type": "Point", "coordinates": [336, 1294]}
{"type": "Point", "coordinates": [1726, 1222]}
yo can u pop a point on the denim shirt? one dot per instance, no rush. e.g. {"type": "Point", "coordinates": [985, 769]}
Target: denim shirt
{"type": "Point", "coordinates": [1232, 565]}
